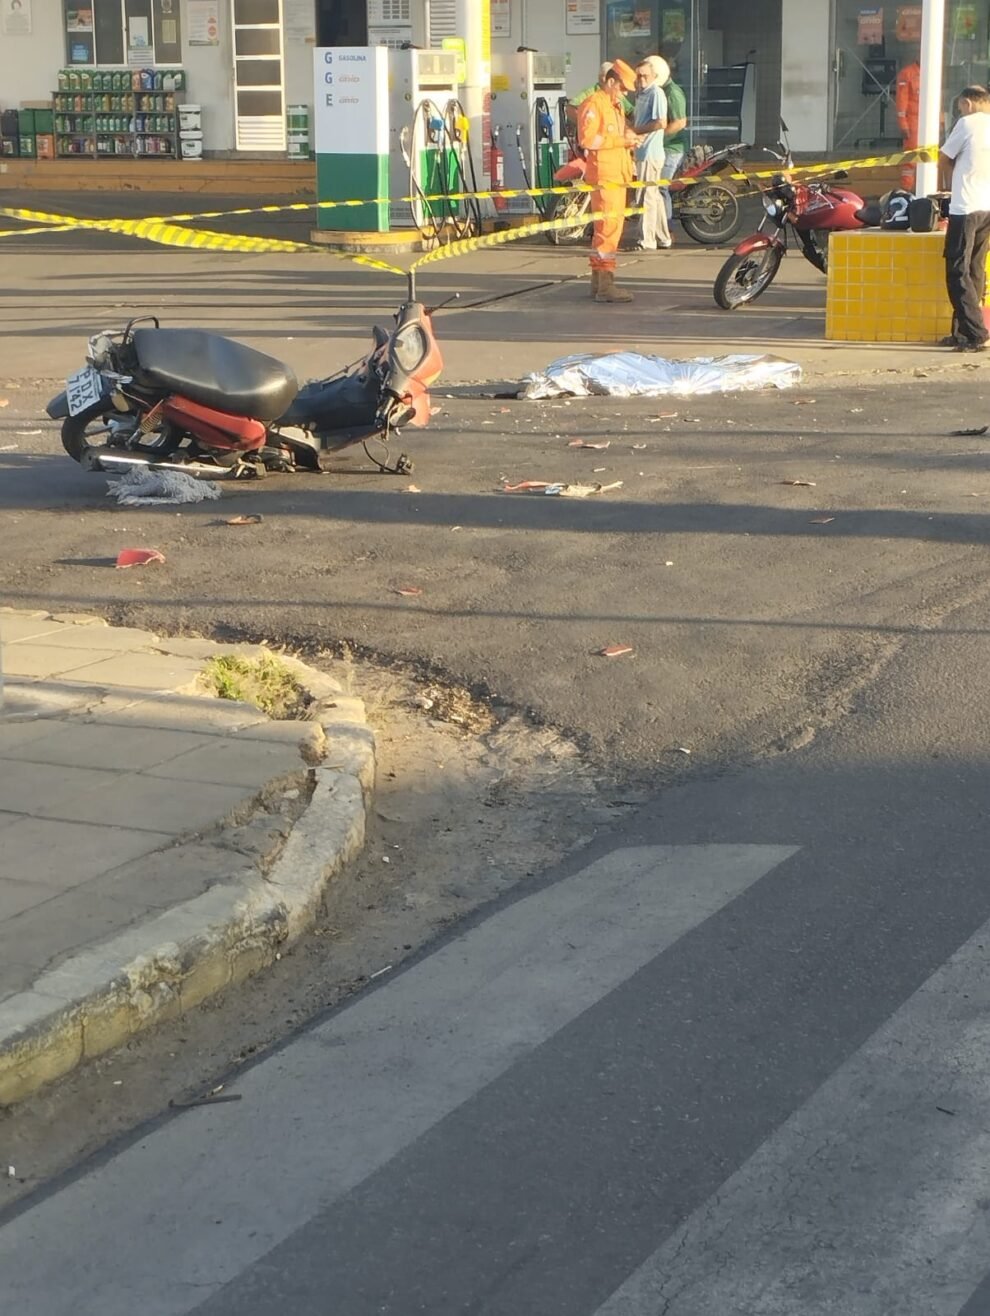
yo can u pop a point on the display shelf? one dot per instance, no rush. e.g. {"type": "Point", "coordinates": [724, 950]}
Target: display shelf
{"type": "Point", "coordinates": [114, 123]}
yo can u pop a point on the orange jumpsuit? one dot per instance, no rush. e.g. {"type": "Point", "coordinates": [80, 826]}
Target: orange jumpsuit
{"type": "Point", "coordinates": [602, 133]}
{"type": "Point", "coordinates": [907, 100]}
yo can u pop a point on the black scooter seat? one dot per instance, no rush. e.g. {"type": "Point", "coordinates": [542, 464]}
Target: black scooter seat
{"type": "Point", "coordinates": [215, 371]}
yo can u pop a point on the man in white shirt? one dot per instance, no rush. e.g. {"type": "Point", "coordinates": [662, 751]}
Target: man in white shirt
{"type": "Point", "coordinates": [964, 166]}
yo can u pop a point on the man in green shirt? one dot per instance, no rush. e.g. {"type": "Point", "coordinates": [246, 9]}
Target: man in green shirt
{"type": "Point", "coordinates": [675, 138]}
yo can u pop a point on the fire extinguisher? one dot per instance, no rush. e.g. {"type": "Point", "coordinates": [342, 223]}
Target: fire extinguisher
{"type": "Point", "coordinates": [498, 172]}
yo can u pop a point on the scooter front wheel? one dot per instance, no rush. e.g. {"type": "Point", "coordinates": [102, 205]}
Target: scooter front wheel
{"type": "Point", "coordinates": [744, 278]}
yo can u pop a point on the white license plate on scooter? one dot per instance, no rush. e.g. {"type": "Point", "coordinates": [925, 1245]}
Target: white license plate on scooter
{"type": "Point", "coordinates": [83, 390]}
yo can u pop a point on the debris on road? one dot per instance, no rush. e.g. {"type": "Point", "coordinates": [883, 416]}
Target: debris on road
{"type": "Point", "coordinates": [633, 374]}
{"type": "Point", "coordinates": [4, 402]}
{"type": "Point", "coordinates": [10, 447]}
{"type": "Point", "coordinates": [246, 518]}
{"type": "Point", "coordinates": [408, 591]}
{"type": "Point", "coordinates": [970, 434]}
{"type": "Point", "coordinates": [145, 488]}
{"type": "Point", "coordinates": [560, 490]}
{"type": "Point", "coordinates": [412, 488]}
{"type": "Point", "coordinates": [822, 520]}
{"type": "Point", "coordinates": [583, 443]}
{"type": "Point", "coordinates": [27, 434]}
{"type": "Point", "coordinates": [615, 650]}
{"type": "Point", "coordinates": [137, 557]}
{"type": "Point", "coordinates": [800, 484]}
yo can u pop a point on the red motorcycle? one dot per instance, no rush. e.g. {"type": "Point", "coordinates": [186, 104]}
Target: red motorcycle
{"type": "Point", "coordinates": [808, 210]}
{"type": "Point", "coordinates": [185, 397]}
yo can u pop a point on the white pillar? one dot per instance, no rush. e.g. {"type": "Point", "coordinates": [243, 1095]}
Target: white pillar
{"type": "Point", "coordinates": [930, 109]}
{"type": "Point", "coordinates": [474, 24]}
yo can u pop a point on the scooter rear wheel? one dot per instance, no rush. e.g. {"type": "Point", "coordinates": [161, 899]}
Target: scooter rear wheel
{"type": "Point", "coordinates": [79, 433]}
{"type": "Point", "coordinates": [744, 278]}
{"type": "Point", "coordinates": [571, 206]}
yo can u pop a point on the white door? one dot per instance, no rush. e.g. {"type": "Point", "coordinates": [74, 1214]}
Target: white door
{"type": "Point", "coordinates": [259, 75]}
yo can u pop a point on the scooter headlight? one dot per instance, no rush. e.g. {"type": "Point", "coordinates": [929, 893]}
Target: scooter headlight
{"type": "Point", "coordinates": [409, 348]}
{"type": "Point", "coordinates": [773, 206]}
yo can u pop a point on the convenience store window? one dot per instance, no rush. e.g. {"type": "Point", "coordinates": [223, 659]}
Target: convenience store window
{"type": "Point", "coordinates": [138, 33]}
{"type": "Point", "coordinates": [874, 44]}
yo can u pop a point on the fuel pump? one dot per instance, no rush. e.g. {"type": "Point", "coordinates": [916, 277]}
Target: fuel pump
{"type": "Point", "coordinates": [422, 83]}
{"type": "Point", "coordinates": [529, 105]}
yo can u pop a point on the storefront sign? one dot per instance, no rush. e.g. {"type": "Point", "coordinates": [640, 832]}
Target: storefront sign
{"type": "Point", "coordinates": [965, 24]}
{"type": "Point", "coordinates": [351, 100]}
{"type": "Point", "coordinates": [16, 16]}
{"type": "Point", "coordinates": [908, 25]}
{"type": "Point", "coordinates": [870, 27]}
{"type": "Point", "coordinates": [501, 18]}
{"type": "Point", "coordinates": [583, 18]}
{"type": "Point", "coordinates": [203, 19]}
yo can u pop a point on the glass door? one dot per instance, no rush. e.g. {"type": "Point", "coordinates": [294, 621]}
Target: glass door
{"type": "Point", "coordinates": [875, 69]}
{"type": "Point", "coordinates": [259, 76]}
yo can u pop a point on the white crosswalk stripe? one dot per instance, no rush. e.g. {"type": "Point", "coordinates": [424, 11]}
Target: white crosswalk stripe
{"type": "Point", "coordinates": [873, 1199]}
{"type": "Point", "coordinates": [172, 1219]}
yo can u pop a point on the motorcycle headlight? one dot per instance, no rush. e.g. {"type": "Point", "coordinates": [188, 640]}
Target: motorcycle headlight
{"type": "Point", "coordinates": [772, 206]}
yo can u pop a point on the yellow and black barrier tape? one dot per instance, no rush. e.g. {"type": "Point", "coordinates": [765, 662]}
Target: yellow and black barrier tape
{"type": "Point", "coordinates": [167, 234]}
{"type": "Point", "coordinates": [167, 231]}
{"type": "Point", "coordinates": [919, 153]}
{"type": "Point", "coordinates": [466, 245]}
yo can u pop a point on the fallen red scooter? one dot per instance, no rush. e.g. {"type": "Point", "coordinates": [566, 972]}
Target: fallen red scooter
{"type": "Point", "coordinates": [184, 397]}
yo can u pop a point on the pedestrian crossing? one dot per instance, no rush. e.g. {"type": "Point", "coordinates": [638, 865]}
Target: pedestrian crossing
{"type": "Point", "coordinates": [872, 1198]}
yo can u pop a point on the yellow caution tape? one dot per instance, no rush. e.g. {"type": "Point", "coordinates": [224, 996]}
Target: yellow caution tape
{"type": "Point", "coordinates": [466, 245]}
{"type": "Point", "coordinates": [174, 235]}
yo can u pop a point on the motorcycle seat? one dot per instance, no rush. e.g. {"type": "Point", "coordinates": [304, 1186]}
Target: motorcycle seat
{"type": "Point", "coordinates": [215, 371]}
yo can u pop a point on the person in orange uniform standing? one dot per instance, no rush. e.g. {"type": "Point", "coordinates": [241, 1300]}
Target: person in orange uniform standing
{"type": "Point", "coordinates": [603, 134]}
{"type": "Point", "coordinates": [907, 101]}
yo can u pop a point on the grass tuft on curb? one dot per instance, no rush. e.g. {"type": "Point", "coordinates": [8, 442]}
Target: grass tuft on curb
{"type": "Point", "coordinates": [265, 682]}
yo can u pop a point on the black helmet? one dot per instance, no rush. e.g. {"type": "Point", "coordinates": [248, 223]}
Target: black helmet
{"type": "Point", "coordinates": [895, 209]}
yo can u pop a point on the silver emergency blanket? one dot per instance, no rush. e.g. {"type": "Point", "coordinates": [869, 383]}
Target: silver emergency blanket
{"type": "Point", "coordinates": [634, 375]}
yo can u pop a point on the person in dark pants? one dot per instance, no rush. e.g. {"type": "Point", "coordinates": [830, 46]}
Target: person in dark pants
{"type": "Point", "coordinates": [964, 167]}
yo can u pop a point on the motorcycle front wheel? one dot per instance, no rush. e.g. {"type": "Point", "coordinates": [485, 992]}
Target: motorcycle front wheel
{"type": "Point", "coordinates": [573, 205]}
{"type": "Point", "coordinates": [744, 278]}
{"type": "Point", "coordinates": [709, 213]}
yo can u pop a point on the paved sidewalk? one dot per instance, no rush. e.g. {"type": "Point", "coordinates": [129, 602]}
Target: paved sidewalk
{"type": "Point", "coordinates": [156, 843]}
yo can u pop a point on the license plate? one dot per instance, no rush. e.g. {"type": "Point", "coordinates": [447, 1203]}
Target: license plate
{"type": "Point", "coordinates": [83, 390]}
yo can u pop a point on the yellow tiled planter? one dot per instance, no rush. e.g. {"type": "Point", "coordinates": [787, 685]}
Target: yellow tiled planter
{"type": "Point", "coordinates": [887, 288]}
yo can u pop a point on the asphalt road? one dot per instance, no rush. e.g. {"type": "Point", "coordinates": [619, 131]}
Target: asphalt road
{"type": "Point", "coordinates": [755, 607]}
{"type": "Point", "coordinates": [733, 1060]}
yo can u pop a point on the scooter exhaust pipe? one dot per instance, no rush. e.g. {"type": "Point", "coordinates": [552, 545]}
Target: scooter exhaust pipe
{"type": "Point", "coordinates": [97, 460]}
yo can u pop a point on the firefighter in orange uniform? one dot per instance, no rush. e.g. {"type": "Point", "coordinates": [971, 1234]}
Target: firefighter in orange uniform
{"type": "Point", "coordinates": [907, 101]}
{"type": "Point", "coordinates": [603, 134]}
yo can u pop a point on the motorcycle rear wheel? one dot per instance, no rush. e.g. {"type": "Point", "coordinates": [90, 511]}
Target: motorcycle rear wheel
{"type": "Point", "coordinates": [571, 206]}
{"type": "Point", "coordinates": [744, 278]}
{"type": "Point", "coordinates": [709, 213]}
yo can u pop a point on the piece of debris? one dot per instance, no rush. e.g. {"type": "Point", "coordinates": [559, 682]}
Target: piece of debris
{"type": "Point", "coordinates": [4, 402]}
{"type": "Point", "coordinates": [144, 488]}
{"type": "Point", "coordinates": [970, 434]}
{"type": "Point", "coordinates": [27, 434]}
{"type": "Point", "coordinates": [804, 402]}
{"type": "Point", "coordinates": [424, 702]}
{"type": "Point", "coordinates": [137, 557]}
{"type": "Point", "coordinates": [668, 564]}
{"type": "Point", "coordinates": [246, 518]}
{"type": "Point", "coordinates": [378, 973]}
{"type": "Point", "coordinates": [209, 1100]}
{"type": "Point", "coordinates": [11, 1172]}
{"type": "Point", "coordinates": [800, 484]}
{"type": "Point", "coordinates": [560, 490]}
{"type": "Point", "coordinates": [821, 520]}
{"type": "Point", "coordinates": [412, 488]}
{"type": "Point", "coordinates": [615, 650]}
{"type": "Point", "coordinates": [583, 443]}
{"type": "Point", "coordinates": [385, 859]}
{"type": "Point", "coordinates": [10, 447]}
{"type": "Point", "coordinates": [681, 749]}
{"type": "Point", "coordinates": [408, 591]}
{"type": "Point", "coordinates": [638, 447]}
{"type": "Point", "coordinates": [855, 411]}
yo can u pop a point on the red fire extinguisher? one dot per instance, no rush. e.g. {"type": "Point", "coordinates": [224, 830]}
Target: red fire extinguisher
{"type": "Point", "coordinates": [498, 172]}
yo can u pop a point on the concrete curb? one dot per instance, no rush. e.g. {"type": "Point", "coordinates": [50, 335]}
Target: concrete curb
{"type": "Point", "coordinates": [98, 998]}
